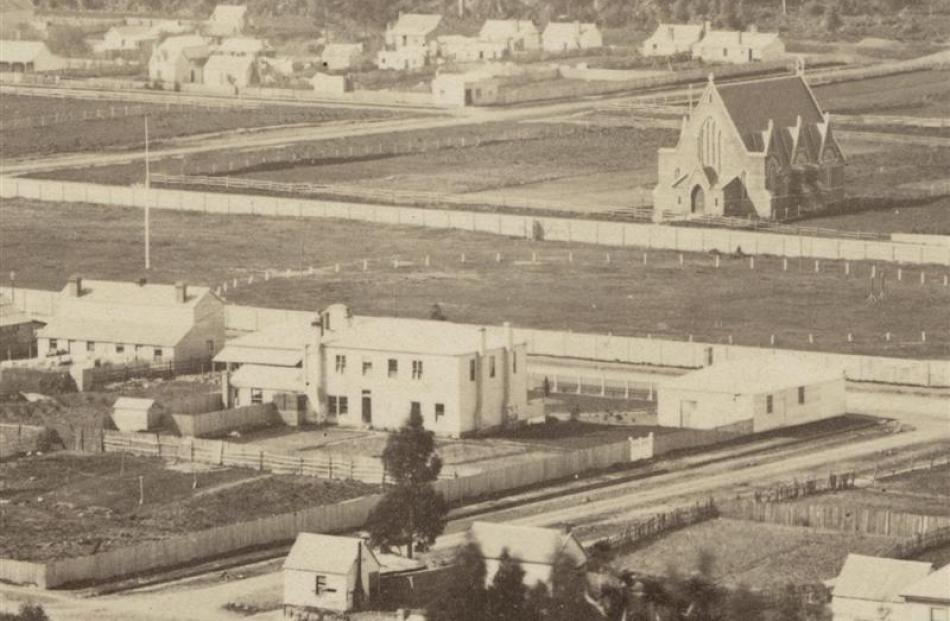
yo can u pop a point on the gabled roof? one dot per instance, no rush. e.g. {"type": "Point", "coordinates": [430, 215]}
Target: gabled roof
{"type": "Point", "coordinates": [328, 554]}
{"type": "Point", "coordinates": [241, 45]}
{"type": "Point", "coordinates": [15, 5]}
{"type": "Point", "coordinates": [755, 375]}
{"type": "Point", "coordinates": [229, 64]}
{"type": "Point", "coordinates": [877, 579]}
{"type": "Point", "coordinates": [192, 46]}
{"type": "Point", "coordinates": [568, 29]}
{"type": "Point", "coordinates": [119, 293]}
{"type": "Point", "coordinates": [751, 105]}
{"type": "Point", "coordinates": [21, 51]}
{"type": "Point", "coordinates": [529, 544]}
{"type": "Point", "coordinates": [935, 587]}
{"type": "Point", "coordinates": [505, 29]}
{"type": "Point", "coordinates": [684, 33]}
{"type": "Point", "coordinates": [416, 23]}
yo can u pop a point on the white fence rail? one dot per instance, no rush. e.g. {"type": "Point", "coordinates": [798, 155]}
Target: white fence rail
{"type": "Point", "coordinates": [578, 230]}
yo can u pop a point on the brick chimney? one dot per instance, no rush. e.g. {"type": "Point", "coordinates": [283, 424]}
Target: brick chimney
{"type": "Point", "coordinates": [181, 292]}
{"type": "Point", "coordinates": [75, 286]}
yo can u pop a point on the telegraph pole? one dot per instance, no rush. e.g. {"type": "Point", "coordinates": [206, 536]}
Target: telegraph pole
{"type": "Point", "coordinates": [148, 197]}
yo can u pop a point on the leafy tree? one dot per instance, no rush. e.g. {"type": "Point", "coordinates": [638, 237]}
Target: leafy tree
{"type": "Point", "coordinates": [28, 612]}
{"type": "Point", "coordinates": [411, 513]}
{"type": "Point", "coordinates": [506, 596]}
{"type": "Point", "coordinates": [704, 595]}
{"type": "Point", "coordinates": [746, 605]}
{"type": "Point", "coordinates": [67, 41]}
{"type": "Point", "coordinates": [466, 598]}
{"type": "Point", "coordinates": [789, 607]}
{"type": "Point", "coordinates": [537, 602]}
{"type": "Point", "coordinates": [568, 588]}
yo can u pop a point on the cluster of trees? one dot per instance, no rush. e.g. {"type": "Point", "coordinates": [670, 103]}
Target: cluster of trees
{"type": "Point", "coordinates": [28, 612]}
{"type": "Point", "coordinates": [698, 597]}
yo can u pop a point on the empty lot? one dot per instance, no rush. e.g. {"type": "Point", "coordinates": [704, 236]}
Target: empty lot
{"type": "Point", "coordinates": [45, 242]}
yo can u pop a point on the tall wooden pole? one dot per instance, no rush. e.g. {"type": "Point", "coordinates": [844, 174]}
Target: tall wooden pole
{"type": "Point", "coordinates": [148, 197]}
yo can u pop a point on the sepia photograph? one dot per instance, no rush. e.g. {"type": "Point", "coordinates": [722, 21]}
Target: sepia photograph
{"type": "Point", "coordinates": [475, 310]}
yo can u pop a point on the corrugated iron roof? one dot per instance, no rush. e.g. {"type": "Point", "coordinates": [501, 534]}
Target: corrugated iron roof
{"type": "Point", "coordinates": [328, 554]}
{"type": "Point", "coordinates": [877, 579]}
{"type": "Point", "coordinates": [105, 331]}
{"type": "Point", "coordinates": [756, 375]}
{"type": "Point", "coordinates": [935, 587]}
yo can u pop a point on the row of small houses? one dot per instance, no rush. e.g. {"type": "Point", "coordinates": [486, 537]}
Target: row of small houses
{"type": "Point", "coordinates": [703, 42]}
{"type": "Point", "coordinates": [372, 372]}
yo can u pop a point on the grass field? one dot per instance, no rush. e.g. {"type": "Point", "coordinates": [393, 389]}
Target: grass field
{"type": "Point", "coordinates": [926, 492]}
{"type": "Point", "coordinates": [165, 122]}
{"type": "Point", "coordinates": [754, 554]}
{"type": "Point", "coordinates": [63, 504]}
{"type": "Point", "coordinates": [44, 243]}
{"type": "Point", "coordinates": [920, 93]}
{"type": "Point", "coordinates": [931, 219]}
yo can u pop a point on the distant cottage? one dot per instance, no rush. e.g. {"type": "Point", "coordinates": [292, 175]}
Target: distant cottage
{"type": "Point", "coordinates": [517, 35]}
{"type": "Point", "coordinates": [127, 321]}
{"type": "Point", "coordinates": [28, 57]}
{"type": "Point", "coordinates": [737, 47]}
{"type": "Point", "coordinates": [754, 149]}
{"type": "Point", "coordinates": [671, 39]}
{"type": "Point", "coordinates": [570, 36]}
{"type": "Point", "coordinates": [179, 60]}
{"type": "Point", "coordinates": [410, 41]}
{"type": "Point", "coordinates": [535, 548]}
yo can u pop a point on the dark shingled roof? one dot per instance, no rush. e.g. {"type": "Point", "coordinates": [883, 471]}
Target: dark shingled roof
{"type": "Point", "coordinates": [752, 104]}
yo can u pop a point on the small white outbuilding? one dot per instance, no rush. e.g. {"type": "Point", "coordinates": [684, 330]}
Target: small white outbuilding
{"type": "Point", "coordinates": [130, 414]}
{"type": "Point", "coordinates": [324, 572]}
{"type": "Point", "coordinates": [754, 394]}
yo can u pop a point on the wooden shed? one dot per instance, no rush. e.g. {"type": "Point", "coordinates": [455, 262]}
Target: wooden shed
{"type": "Point", "coordinates": [130, 414]}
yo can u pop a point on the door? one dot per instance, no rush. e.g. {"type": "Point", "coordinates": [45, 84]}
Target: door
{"type": "Point", "coordinates": [367, 408]}
{"type": "Point", "coordinates": [468, 96]}
{"type": "Point", "coordinates": [687, 410]}
{"type": "Point", "coordinates": [698, 201]}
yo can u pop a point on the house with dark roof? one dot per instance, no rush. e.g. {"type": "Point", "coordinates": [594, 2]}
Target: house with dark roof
{"type": "Point", "coordinates": [327, 573]}
{"type": "Point", "coordinates": [760, 149]}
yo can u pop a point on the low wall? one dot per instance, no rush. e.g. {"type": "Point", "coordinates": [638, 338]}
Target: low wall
{"type": "Point", "coordinates": [844, 517]}
{"type": "Point", "coordinates": [209, 424]}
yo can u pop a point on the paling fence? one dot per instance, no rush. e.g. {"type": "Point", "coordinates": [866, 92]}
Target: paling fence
{"type": "Point", "coordinates": [634, 350]}
{"type": "Point", "coordinates": [16, 439]}
{"type": "Point", "coordinates": [579, 230]}
{"type": "Point", "coordinates": [347, 515]}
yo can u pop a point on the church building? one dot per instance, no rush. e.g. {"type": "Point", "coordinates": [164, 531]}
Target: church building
{"type": "Point", "coordinates": [760, 149]}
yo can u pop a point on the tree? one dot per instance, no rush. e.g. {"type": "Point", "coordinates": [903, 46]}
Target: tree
{"type": "Point", "coordinates": [411, 513]}
{"type": "Point", "coordinates": [746, 605]}
{"type": "Point", "coordinates": [28, 612]}
{"type": "Point", "coordinates": [789, 606]}
{"type": "Point", "coordinates": [436, 313]}
{"type": "Point", "coordinates": [568, 590]}
{"type": "Point", "coordinates": [701, 590]}
{"type": "Point", "coordinates": [466, 598]}
{"type": "Point", "coordinates": [506, 596]}
{"type": "Point", "coordinates": [536, 603]}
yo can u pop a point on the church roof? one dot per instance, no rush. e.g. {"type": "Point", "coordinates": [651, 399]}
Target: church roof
{"type": "Point", "coordinates": [752, 104]}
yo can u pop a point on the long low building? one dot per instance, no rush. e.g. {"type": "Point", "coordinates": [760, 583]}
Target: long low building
{"type": "Point", "coordinates": [373, 372]}
{"type": "Point", "coordinates": [753, 394]}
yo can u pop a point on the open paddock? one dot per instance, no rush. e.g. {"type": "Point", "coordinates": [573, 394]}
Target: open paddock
{"type": "Point", "coordinates": [758, 555]}
{"type": "Point", "coordinates": [919, 93]}
{"type": "Point", "coordinates": [567, 286]}
{"type": "Point", "coordinates": [65, 505]}
{"type": "Point", "coordinates": [63, 125]}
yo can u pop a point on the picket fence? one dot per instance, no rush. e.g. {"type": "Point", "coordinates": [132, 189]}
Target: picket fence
{"type": "Point", "coordinates": [849, 518]}
{"type": "Point", "coordinates": [579, 230]}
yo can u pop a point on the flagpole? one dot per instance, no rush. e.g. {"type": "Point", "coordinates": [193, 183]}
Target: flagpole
{"type": "Point", "coordinates": [148, 196]}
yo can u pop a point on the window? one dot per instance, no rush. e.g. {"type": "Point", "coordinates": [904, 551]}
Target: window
{"type": "Point", "coordinates": [491, 367]}
{"type": "Point", "coordinates": [415, 408]}
{"type": "Point", "coordinates": [938, 614]}
{"type": "Point", "coordinates": [340, 363]}
{"type": "Point", "coordinates": [319, 584]}
{"type": "Point", "coordinates": [344, 406]}
{"type": "Point", "coordinates": [157, 354]}
{"type": "Point", "coordinates": [393, 367]}
{"type": "Point", "coordinates": [53, 345]}
{"type": "Point", "coordinates": [367, 367]}
{"type": "Point", "coordinates": [337, 406]}
{"type": "Point", "coordinates": [90, 346]}
{"type": "Point", "coordinates": [331, 405]}
{"type": "Point", "coordinates": [768, 404]}
{"type": "Point", "coordinates": [257, 396]}
{"type": "Point", "coordinates": [439, 410]}
{"type": "Point", "coordinates": [416, 369]}
{"type": "Point", "coordinates": [119, 348]}
{"type": "Point", "coordinates": [725, 51]}
{"type": "Point", "coordinates": [471, 370]}
{"type": "Point", "coordinates": [514, 362]}
{"type": "Point", "coordinates": [801, 395]}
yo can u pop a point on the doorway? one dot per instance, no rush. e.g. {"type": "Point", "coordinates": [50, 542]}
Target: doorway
{"type": "Point", "coordinates": [367, 408]}
{"type": "Point", "coordinates": [698, 201]}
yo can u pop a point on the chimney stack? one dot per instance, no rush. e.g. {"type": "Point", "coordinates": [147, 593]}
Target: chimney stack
{"type": "Point", "coordinates": [75, 285]}
{"type": "Point", "coordinates": [181, 292]}
{"type": "Point", "coordinates": [483, 341]}
{"type": "Point", "coordinates": [509, 336]}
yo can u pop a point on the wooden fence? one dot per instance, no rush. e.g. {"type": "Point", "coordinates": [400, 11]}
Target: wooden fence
{"type": "Point", "coordinates": [211, 423]}
{"type": "Point", "coordinates": [844, 517]}
{"type": "Point", "coordinates": [166, 370]}
{"type": "Point", "coordinates": [649, 528]}
{"type": "Point", "coordinates": [16, 439]}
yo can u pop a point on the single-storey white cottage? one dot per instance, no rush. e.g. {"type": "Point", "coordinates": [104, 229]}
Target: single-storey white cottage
{"type": "Point", "coordinates": [341, 56]}
{"type": "Point", "coordinates": [737, 47]}
{"type": "Point", "coordinates": [752, 394]}
{"type": "Point", "coordinates": [327, 573]}
{"type": "Point", "coordinates": [28, 57]}
{"type": "Point", "coordinates": [179, 59]}
{"type": "Point", "coordinates": [869, 588]}
{"type": "Point", "coordinates": [517, 35]}
{"type": "Point", "coordinates": [671, 39]}
{"type": "Point", "coordinates": [133, 322]}
{"type": "Point", "coordinates": [570, 36]}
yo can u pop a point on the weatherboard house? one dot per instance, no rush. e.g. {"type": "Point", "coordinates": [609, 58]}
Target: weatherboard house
{"type": "Point", "coordinates": [324, 572]}
{"type": "Point", "coordinates": [759, 149]}
{"type": "Point", "coordinates": [373, 372]}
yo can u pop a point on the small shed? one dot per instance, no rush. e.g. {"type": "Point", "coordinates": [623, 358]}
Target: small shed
{"type": "Point", "coordinates": [130, 414]}
{"type": "Point", "coordinates": [536, 548]}
{"type": "Point", "coordinates": [324, 572]}
{"type": "Point", "coordinates": [869, 587]}
{"type": "Point", "coordinates": [753, 394]}
{"type": "Point", "coordinates": [465, 89]}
